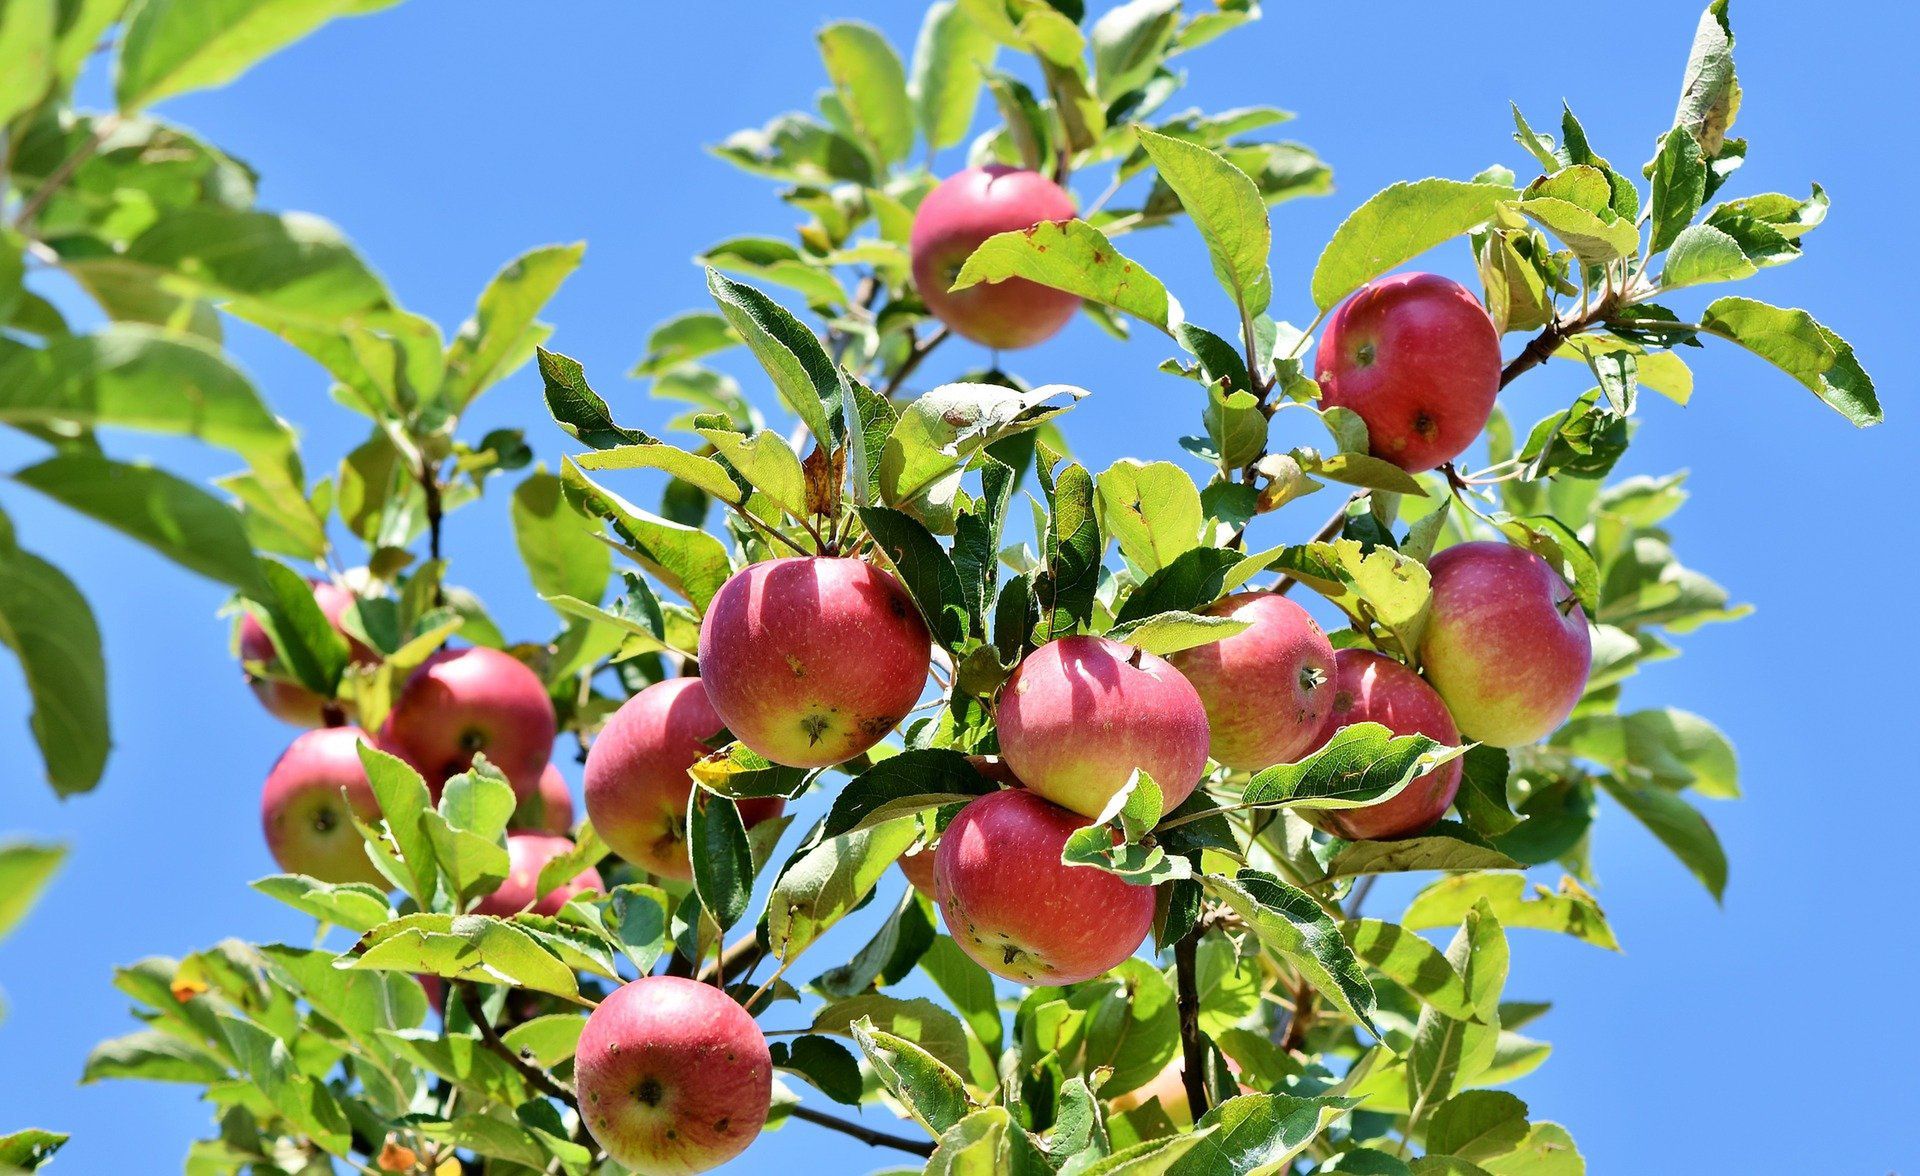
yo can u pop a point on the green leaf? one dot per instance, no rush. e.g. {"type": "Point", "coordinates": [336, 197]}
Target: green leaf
{"type": "Point", "coordinates": [403, 800]}
{"type": "Point", "coordinates": [1363, 764]}
{"type": "Point", "coordinates": [1679, 826]}
{"type": "Point", "coordinates": [949, 61]}
{"type": "Point", "coordinates": [701, 472]}
{"type": "Point", "coordinates": [1679, 187]}
{"type": "Point", "coordinates": [919, 1020]}
{"type": "Point", "coordinates": [25, 1151]}
{"type": "Point", "coordinates": [1790, 218]}
{"type": "Point", "coordinates": [355, 906]}
{"type": "Point", "coordinates": [931, 1093]}
{"type": "Point", "coordinates": [1444, 846]}
{"type": "Point", "coordinates": [478, 948]}
{"type": "Point", "coordinates": [684, 338]}
{"type": "Point", "coordinates": [1129, 42]}
{"type": "Point", "coordinates": [924, 567]}
{"type": "Point", "coordinates": [905, 785]}
{"type": "Point", "coordinates": [722, 860]}
{"type": "Point", "coordinates": [768, 464]}
{"type": "Point", "coordinates": [27, 29]}
{"type": "Point", "coordinates": [1794, 342]}
{"type": "Point", "coordinates": [826, 1065]}
{"type": "Point", "coordinates": [1192, 581]}
{"type": "Point", "coordinates": [1171, 632]}
{"type": "Point", "coordinates": [1152, 510]}
{"type": "Point", "coordinates": [1547, 1150]}
{"type": "Point", "coordinates": [172, 46]}
{"type": "Point", "coordinates": [1074, 256]}
{"type": "Point", "coordinates": [1228, 210]}
{"type": "Point", "coordinates": [1289, 923]}
{"type": "Point", "coordinates": [47, 624]}
{"type": "Point", "coordinates": [1448, 1052]}
{"type": "Point", "coordinates": [1258, 1134]}
{"type": "Point", "coordinates": [1477, 1125]}
{"type": "Point", "coordinates": [25, 868]}
{"type": "Point", "coordinates": [1412, 963]}
{"type": "Point", "coordinates": [1593, 236]}
{"type": "Point", "coordinates": [1150, 1157]}
{"type": "Point", "coordinates": [938, 434]}
{"type": "Point", "coordinates": [1071, 551]}
{"type": "Point", "coordinates": [577, 408]}
{"type": "Point", "coordinates": [1396, 225]}
{"type": "Point", "coordinates": [152, 1056]}
{"type": "Point", "coordinates": [1709, 92]}
{"type": "Point", "coordinates": [500, 335]}
{"type": "Point", "coordinates": [685, 559]}
{"type": "Point", "coordinates": [872, 86]}
{"type": "Point", "coordinates": [1570, 911]}
{"type": "Point", "coordinates": [637, 916]}
{"type": "Point", "coordinates": [308, 644]}
{"type": "Point", "coordinates": [557, 543]}
{"type": "Point", "coordinates": [805, 376]}
{"type": "Point", "coordinates": [1701, 254]}
{"type": "Point", "coordinates": [1126, 1020]}
{"type": "Point", "coordinates": [827, 880]}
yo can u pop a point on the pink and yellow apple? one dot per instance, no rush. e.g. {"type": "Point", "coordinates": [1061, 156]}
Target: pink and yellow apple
{"type": "Point", "coordinates": [1417, 357]}
{"type": "Point", "coordinates": [1017, 910]}
{"type": "Point", "coordinates": [1507, 644]}
{"type": "Point", "coordinates": [811, 661]}
{"type": "Point", "coordinates": [637, 782]}
{"type": "Point", "coordinates": [550, 809]}
{"type": "Point", "coordinates": [527, 855]}
{"type": "Point", "coordinates": [1082, 714]}
{"type": "Point", "coordinates": [1372, 688]}
{"type": "Point", "coordinates": [307, 808]}
{"type": "Point", "coordinates": [1267, 688]}
{"type": "Point", "coordinates": [463, 701]}
{"type": "Point", "coordinates": [673, 1076]}
{"type": "Point", "coordinates": [290, 701]}
{"type": "Point", "coordinates": [966, 209]}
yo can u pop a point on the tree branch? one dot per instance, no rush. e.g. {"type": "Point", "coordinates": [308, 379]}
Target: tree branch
{"type": "Point", "coordinates": [1193, 1050]}
{"type": "Point", "coordinates": [535, 1077]}
{"type": "Point", "coordinates": [58, 177]}
{"type": "Point", "coordinates": [913, 359]}
{"type": "Point", "coordinates": [735, 961]}
{"type": "Point", "coordinates": [866, 1135]}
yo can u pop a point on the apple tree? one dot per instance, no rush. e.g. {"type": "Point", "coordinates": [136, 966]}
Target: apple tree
{"type": "Point", "coordinates": [1138, 796]}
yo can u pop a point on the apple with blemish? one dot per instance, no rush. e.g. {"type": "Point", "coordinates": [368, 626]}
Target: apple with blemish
{"type": "Point", "coordinates": [1373, 688]}
{"type": "Point", "coordinates": [955, 219]}
{"type": "Point", "coordinates": [673, 1076]}
{"type": "Point", "coordinates": [1507, 645]}
{"type": "Point", "coordinates": [463, 702]}
{"type": "Point", "coordinates": [637, 783]}
{"type": "Point", "coordinates": [290, 701]}
{"type": "Point", "coordinates": [1017, 910]}
{"type": "Point", "coordinates": [1267, 689]}
{"type": "Point", "coordinates": [527, 855]}
{"type": "Point", "coordinates": [308, 804]}
{"type": "Point", "coordinates": [812, 660]}
{"type": "Point", "coordinates": [1081, 714]}
{"type": "Point", "coordinates": [1416, 356]}
{"type": "Point", "coordinates": [917, 862]}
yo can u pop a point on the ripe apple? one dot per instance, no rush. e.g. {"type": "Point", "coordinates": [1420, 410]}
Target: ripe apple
{"type": "Point", "coordinates": [290, 701]}
{"type": "Point", "coordinates": [1170, 1087]}
{"type": "Point", "coordinates": [1081, 714]}
{"type": "Point", "coordinates": [1507, 645]}
{"type": "Point", "coordinates": [917, 865]}
{"type": "Point", "coordinates": [637, 782]}
{"type": "Point", "coordinates": [673, 1076]}
{"type": "Point", "coordinates": [1017, 910]}
{"type": "Point", "coordinates": [1267, 688]}
{"type": "Point", "coordinates": [306, 809]}
{"type": "Point", "coordinates": [527, 854]}
{"type": "Point", "coordinates": [1373, 688]}
{"type": "Point", "coordinates": [966, 209]}
{"type": "Point", "coordinates": [462, 701]}
{"type": "Point", "coordinates": [552, 812]}
{"type": "Point", "coordinates": [1417, 357]}
{"type": "Point", "coordinates": [811, 661]}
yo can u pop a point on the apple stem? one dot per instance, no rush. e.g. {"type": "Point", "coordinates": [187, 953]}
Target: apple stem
{"type": "Point", "coordinates": [864, 1134]}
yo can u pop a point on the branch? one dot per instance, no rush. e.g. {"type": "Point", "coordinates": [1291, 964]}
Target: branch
{"type": "Point", "coordinates": [913, 359]}
{"type": "Point", "coordinates": [735, 961]}
{"type": "Point", "coordinates": [535, 1077]}
{"type": "Point", "coordinates": [1192, 1048]}
{"type": "Point", "coordinates": [866, 1135]}
{"type": "Point", "coordinates": [58, 177]}
{"type": "Point", "coordinates": [1327, 531]}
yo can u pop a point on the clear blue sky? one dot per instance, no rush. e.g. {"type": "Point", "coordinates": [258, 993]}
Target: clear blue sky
{"type": "Point", "coordinates": [1773, 1034]}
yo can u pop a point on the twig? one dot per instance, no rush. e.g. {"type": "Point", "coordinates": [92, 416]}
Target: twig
{"type": "Point", "coordinates": [866, 1135]}
{"type": "Point", "coordinates": [56, 179]}
{"type": "Point", "coordinates": [1327, 531]}
{"type": "Point", "coordinates": [535, 1077]}
{"type": "Point", "coordinates": [737, 959]}
{"type": "Point", "coordinates": [1193, 1052]}
{"type": "Point", "coordinates": [913, 359]}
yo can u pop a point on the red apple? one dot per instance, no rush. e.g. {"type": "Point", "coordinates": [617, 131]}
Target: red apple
{"type": "Point", "coordinates": [1268, 688]}
{"type": "Point", "coordinates": [306, 809]}
{"type": "Point", "coordinates": [463, 701]}
{"type": "Point", "coordinates": [289, 701]}
{"type": "Point", "coordinates": [1373, 688]}
{"type": "Point", "coordinates": [673, 1076]}
{"type": "Point", "coordinates": [1018, 911]}
{"type": "Point", "coordinates": [1081, 714]}
{"type": "Point", "coordinates": [527, 854]}
{"type": "Point", "coordinates": [1507, 645]}
{"type": "Point", "coordinates": [552, 812]}
{"type": "Point", "coordinates": [953, 220]}
{"type": "Point", "coordinates": [637, 782]}
{"type": "Point", "coordinates": [811, 661]}
{"type": "Point", "coordinates": [917, 865]}
{"type": "Point", "coordinates": [1170, 1087]}
{"type": "Point", "coordinates": [1417, 357]}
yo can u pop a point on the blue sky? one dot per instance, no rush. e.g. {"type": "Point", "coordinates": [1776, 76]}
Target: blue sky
{"type": "Point", "coordinates": [445, 136]}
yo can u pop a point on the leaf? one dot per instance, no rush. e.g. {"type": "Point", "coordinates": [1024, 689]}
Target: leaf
{"type": "Point", "coordinates": [1444, 846]}
{"type": "Point", "coordinates": [685, 559]}
{"type": "Point", "coordinates": [1570, 911]}
{"type": "Point", "coordinates": [826, 1065]}
{"type": "Point", "coordinates": [497, 338]}
{"type": "Point", "coordinates": [1073, 256]}
{"type": "Point", "coordinates": [948, 65]}
{"type": "Point", "coordinates": [1192, 581]}
{"type": "Point", "coordinates": [1703, 253]}
{"type": "Point", "coordinates": [25, 868]}
{"type": "Point", "coordinates": [682, 339]}
{"type": "Point", "coordinates": [1362, 764]}
{"type": "Point", "coordinates": [304, 637]}
{"type": "Point", "coordinates": [1151, 509]}
{"type": "Point", "coordinates": [556, 543]}
{"type": "Point", "coordinates": [1396, 225]}
{"type": "Point", "coordinates": [172, 46]}
{"type": "Point", "coordinates": [1477, 1125]}
{"type": "Point", "coordinates": [920, 1021]}
{"type": "Point", "coordinates": [25, 1151]}
{"type": "Point", "coordinates": [479, 948]}
{"type": "Point", "coordinates": [637, 916]}
{"type": "Point", "coordinates": [1679, 187]}
{"type": "Point", "coordinates": [1679, 826]}
{"type": "Point", "coordinates": [403, 798]}
{"type": "Point", "coordinates": [1290, 924]}
{"type": "Point", "coordinates": [1228, 210]}
{"type": "Point", "coordinates": [1794, 342]}
{"type": "Point", "coordinates": [577, 408]}
{"type": "Point", "coordinates": [808, 382]}
{"type": "Point", "coordinates": [768, 464]}
{"type": "Point", "coordinates": [1547, 1150]}
{"type": "Point", "coordinates": [931, 1093]}
{"type": "Point", "coordinates": [1593, 236]}
{"type": "Point", "coordinates": [905, 785]}
{"type": "Point", "coordinates": [703, 473]}
{"type": "Point", "coordinates": [1129, 42]}
{"type": "Point", "coordinates": [47, 624]}
{"type": "Point", "coordinates": [940, 432]}
{"type": "Point", "coordinates": [1171, 632]}
{"type": "Point", "coordinates": [355, 906]}
{"type": "Point", "coordinates": [872, 87]}
{"type": "Point", "coordinates": [722, 860]}
{"type": "Point", "coordinates": [924, 567]}
{"type": "Point", "coordinates": [1709, 92]}
{"type": "Point", "coordinates": [27, 29]}
{"type": "Point", "coordinates": [1259, 1134]}
{"type": "Point", "coordinates": [827, 880]}
{"type": "Point", "coordinates": [1126, 1021]}
{"type": "Point", "coordinates": [1412, 963]}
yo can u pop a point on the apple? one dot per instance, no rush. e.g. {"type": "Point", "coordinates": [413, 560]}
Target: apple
{"type": "Point", "coordinates": [1417, 357]}
{"type": "Point", "coordinates": [550, 809]}
{"type": "Point", "coordinates": [527, 855]}
{"type": "Point", "coordinates": [673, 1076]}
{"type": "Point", "coordinates": [1373, 688]}
{"type": "Point", "coordinates": [811, 660]}
{"type": "Point", "coordinates": [1017, 910]}
{"type": "Point", "coordinates": [1081, 714]}
{"type": "Point", "coordinates": [1170, 1087]}
{"type": "Point", "coordinates": [917, 865]}
{"type": "Point", "coordinates": [290, 701]}
{"type": "Point", "coordinates": [306, 809]}
{"type": "Point", "coordinates": [637, 782]}
{"type": "Point", "coordinates": [463, 701]}
{"type": "Point", "coordinates": [1507, 645]}
{"type": "Point", "coordinates": [953, 220]}
{"type": "Point", "coordinates": [1267, 688]}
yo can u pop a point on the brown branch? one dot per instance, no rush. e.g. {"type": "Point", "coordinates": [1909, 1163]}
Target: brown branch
{"type": "Point", "coordinates": [1193, 1050]}
{"type": "Point", "coordinates": [866, 1135]}
{"type": "Point", "coordinates": [914, 357]}
{"type": "Point", "coordinates": [737, 960]}
{"type": "Point", "coordinates": [535, 1077]}
{"type": "Point", "coordinates": [58, 177]}
{"type": "Point", "coordinates": [1297, 1024]}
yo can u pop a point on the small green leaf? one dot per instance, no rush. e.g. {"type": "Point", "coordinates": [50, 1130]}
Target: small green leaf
{"type": "Point", "coordinates": [722, 860]}
{"type": "Point", "coordinates": [1396, 225]}
{"type": "Point", "coordinates": [931, 1093]}
{"type": "Point", "coordinates": [171, 46]}
{"type": "Point", "coordinates": [1152, 510]}
{"type": "Point", "coordinates": [557, 543]}
{"type": "Point", "coordinates": [1291, 924]}
{"type": "Point", "coordinates": [1794, 342]}
{"type": "Point", "coordinates": [1171, 632]}
{"type": "Point", "coordinates": [577, 408]}
{"type": "Point", "coordinates": [47, 624]}
{"type": "Point", "coordinates": [355, 906]}
{"type": "Point", "coordinates": [1228, 210]}
{"type": "Point", "coordinates": [872, 86]}
{"type": "Point", "coordinates": [949, 61]}
{"type": "Point", "coordinates": [805, 376]}
{"type": "Point", "coordinates": [827, 1065]}
{"type": "Point", "coordinates": [1569, 911]}
{"type": "Point", "coordinates": [502, 332]}
{"type": "Point", "coordinates": [25, 868]}
{"type": "Point", "coordinates": [1073, 256]}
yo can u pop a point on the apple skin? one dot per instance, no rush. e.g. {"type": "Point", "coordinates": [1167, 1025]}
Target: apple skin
{"type": "Point", "coordinates": [1372, 688]}
{"type": "Point", "coordinates": [462, 701]}
{"type": "Point", "coordinates": [1268, 688]}
{"type": "Point", "coordinates": [527, 854]}
{"type": "Point", "coordinates": [810, 661]}
{"type": "Point", "coordinates": [1017, 910]}
{"type": "Point", "coordinates": [1417, 357]}
{"type": "Point", "coordinates": [1170, 1087]}
{"type": "Point", "coordinates": [289, 701]}
{"type": "Point", "coordinates": [1080, 714]}
{"type": "Point", "coordinates": [673, 1076]}
{"type": "Point", "coordinates": [1507, 646]}
{"type": "Point", "coordinates": [637, 782]}
{"type": "Point", "coordinates": [555, 807]}
{"type": "Point", "coordinates": [302, 811]}
{"type": "Point", "coordinates": [967, 208]}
